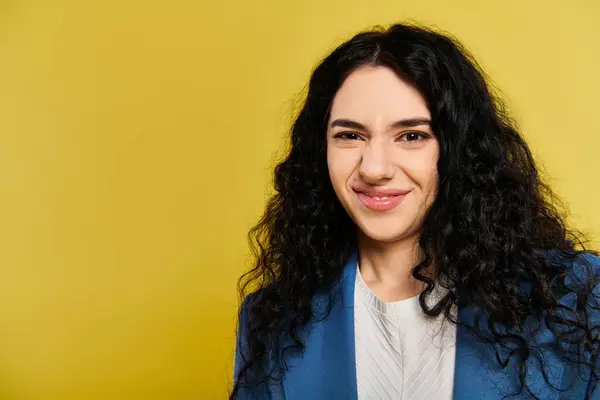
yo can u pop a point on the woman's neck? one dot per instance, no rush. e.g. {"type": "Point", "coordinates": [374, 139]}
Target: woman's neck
{"type": "Point", "coordinates": [386, 267]}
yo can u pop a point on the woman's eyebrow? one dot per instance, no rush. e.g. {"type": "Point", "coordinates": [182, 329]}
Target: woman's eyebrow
{"type": "Point", "coordinates": [347, 123]}
{"type": "Point", "coordinates": [410, 122]}
{"type": "Point", "coordinates": [403, 123]}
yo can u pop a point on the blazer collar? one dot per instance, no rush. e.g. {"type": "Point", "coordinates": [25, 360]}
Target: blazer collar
{"type": "Point", "coordinates": [327, 367]}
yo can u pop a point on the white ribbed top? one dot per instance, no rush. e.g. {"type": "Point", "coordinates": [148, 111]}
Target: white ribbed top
{"type": "Point", "coordinates": [400, 352]}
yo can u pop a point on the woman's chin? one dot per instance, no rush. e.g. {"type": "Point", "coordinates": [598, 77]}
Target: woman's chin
{"type": "Point", "coordinates": [383, 233]}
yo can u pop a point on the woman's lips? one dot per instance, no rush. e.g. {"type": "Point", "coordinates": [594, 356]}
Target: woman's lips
{"type": "Point", "coordinates": [384, 204]}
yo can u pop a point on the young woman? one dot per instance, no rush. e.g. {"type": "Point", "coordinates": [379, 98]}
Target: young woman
{"type": "Point", "coordinates": [412, 250]}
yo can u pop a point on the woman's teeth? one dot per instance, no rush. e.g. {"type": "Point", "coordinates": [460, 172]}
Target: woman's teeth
{"type": "Point", "coordinates": [376, 197]}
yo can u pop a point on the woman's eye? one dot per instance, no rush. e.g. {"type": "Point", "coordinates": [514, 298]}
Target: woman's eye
{"type": "Point", "coordinates": [406, 137]}
{"type": "Point", "coordinates": [413, 136]}
{"type": "Point", "coordinates": [347, 136]}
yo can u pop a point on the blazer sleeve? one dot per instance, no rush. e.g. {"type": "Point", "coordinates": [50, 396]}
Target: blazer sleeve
{"type": "Point", "coordinates": [241, 342]}
{"type": "Point", "coordinates": [246, 391]}
{"type": "Point", "coordinates": [593, 389]}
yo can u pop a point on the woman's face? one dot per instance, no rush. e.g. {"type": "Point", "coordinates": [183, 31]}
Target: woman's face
{"type": "Point", "coordinates": [381, 153]}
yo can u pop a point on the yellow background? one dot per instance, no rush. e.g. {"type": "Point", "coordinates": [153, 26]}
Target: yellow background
{"type": "Point", "coordinates": [136, 139]}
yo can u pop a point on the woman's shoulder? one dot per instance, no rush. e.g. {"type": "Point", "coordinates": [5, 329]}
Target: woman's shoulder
{"type": "Point", "coordinates": [581, 269]}
{"type": "Point", "coordinates": [252, 300]}
{"type": "Point", "coordinates": [579, 292]}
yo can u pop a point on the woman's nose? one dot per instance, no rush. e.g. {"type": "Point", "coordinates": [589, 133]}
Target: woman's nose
{"type": "Point", "coordinates": [375, 164]}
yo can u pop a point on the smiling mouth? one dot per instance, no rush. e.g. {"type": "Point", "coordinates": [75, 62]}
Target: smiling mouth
{"type": "Point", "coordinates": [377, 197]}
{"type": "Point", "coordinates": [380, 203]}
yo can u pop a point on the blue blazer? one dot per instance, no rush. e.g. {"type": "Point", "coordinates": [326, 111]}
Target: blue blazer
{"type": "Point", "coordinates": [326, 369]}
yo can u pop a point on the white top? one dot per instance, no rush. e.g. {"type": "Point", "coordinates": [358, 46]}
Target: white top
{"type": "Point", "coordinates": [400, 352]}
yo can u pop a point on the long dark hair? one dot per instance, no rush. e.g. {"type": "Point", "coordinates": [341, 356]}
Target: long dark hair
{"type": "Point", "coordinates": [489, 229]}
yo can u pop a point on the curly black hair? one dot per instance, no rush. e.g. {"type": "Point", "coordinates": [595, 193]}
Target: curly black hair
{"type": "Point", "coordinates": [488, 232]}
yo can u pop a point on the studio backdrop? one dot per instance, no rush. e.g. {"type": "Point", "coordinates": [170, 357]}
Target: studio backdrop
{"type": "Point", "coordinates": [136, 143]}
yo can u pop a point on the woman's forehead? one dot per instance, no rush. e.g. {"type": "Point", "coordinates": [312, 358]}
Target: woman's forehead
{"type": "Point", "coordinates": [377, 94]}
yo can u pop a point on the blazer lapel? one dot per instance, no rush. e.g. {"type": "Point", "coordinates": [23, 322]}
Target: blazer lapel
{"type": "Point", "coordinates": [478, 376]}
{"type": "Point", "coordinates": [470, 378]}
{"type": "Point", "coordinates": [327, 367]}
